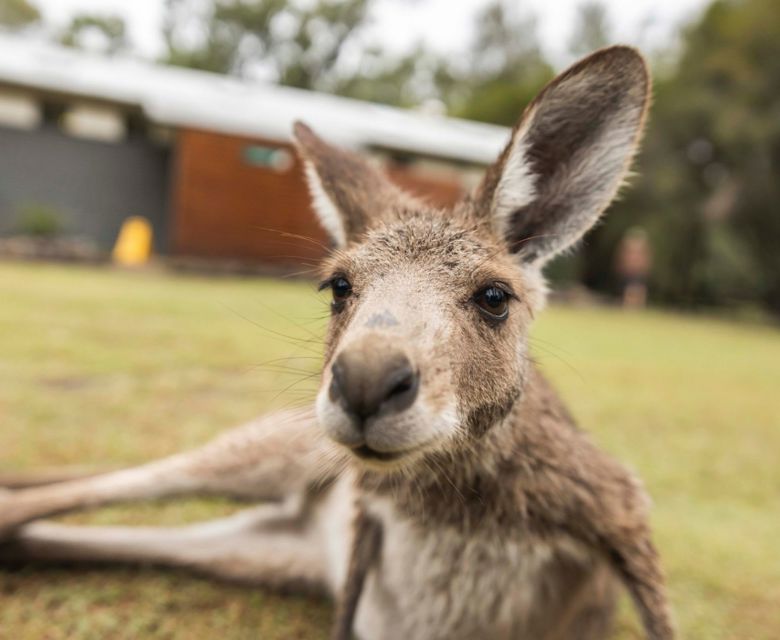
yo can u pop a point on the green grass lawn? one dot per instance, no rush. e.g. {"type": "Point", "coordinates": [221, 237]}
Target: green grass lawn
{"type": "Point", "coordinates": [101, 368]}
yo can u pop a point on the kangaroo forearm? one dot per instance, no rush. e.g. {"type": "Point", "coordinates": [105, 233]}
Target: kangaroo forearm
{"type": "Point", "coordinates": [168, 477]}
{"type": "Point", "coordinates": [264, 459]}
{"type": "Point", "coordinates": [604, 506]}
{"type": "Point", "coordinates": [625, 536]}
{"type": "Point", "coordinates": [638, 563]}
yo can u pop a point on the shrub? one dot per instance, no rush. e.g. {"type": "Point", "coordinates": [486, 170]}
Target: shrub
{"type": "Point", "coordinates": [40, 220]}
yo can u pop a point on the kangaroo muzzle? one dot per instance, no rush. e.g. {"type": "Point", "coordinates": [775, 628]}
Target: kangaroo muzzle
{"type": "Point", "coordinates": [368, 382]}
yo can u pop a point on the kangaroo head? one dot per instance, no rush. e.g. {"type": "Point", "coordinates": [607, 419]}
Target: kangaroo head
{"type": "Point", "coordinates": [427, 344]}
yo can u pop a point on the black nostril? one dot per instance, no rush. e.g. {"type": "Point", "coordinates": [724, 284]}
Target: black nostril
{"type": "Point", "coordinates": [336, 382]}
{"type": "Point", "coordinates": [367, 384]}
{"type": "Point", "coordinates": [402, 386]}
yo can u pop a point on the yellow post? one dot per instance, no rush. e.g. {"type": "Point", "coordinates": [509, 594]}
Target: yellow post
{"type": "Point", "coordinates": [134, 243]}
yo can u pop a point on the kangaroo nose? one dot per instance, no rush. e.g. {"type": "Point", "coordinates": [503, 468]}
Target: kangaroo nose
{"type": "Point", "coordinates": [366, 386]}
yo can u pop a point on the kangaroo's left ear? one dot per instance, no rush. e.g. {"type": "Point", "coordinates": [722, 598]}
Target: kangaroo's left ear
{"type": "Point", "coordinates": [347, 191]}
{"type": "Point", "coordinates": [568, 154]}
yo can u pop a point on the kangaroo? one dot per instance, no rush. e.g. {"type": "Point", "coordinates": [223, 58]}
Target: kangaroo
{"type": "Point", "coordinates": [482, 510]}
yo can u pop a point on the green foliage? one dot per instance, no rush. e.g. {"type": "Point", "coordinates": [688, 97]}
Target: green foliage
{"type": "Point", "coordinates": [505, 68]}
{"type": "Point", "coordinates": [708, 188]}
{"type": "Point", "coordinates": [109, 30]}
{"type": "Point", "coordinates": [592, 29]}
{"type": "Point", "coordinates": [296, 44]}
{"type": "Point", "coordinates": [406, 81]}
{"type": "Point", "coordinates": [40, 220]}
{"type": "Point", "coordinates": [18, 14]}
{"type": "Point", "coordinates": [302, 45]}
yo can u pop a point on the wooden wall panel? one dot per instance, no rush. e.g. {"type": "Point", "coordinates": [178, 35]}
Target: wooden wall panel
{"type": "Point", "coordinates": [436, 190]}
{"type": "Point", "coordinates": [224, 207]}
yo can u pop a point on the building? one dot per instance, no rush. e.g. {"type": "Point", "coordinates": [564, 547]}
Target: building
{"type": "Point", "coordinates": [206, 158]}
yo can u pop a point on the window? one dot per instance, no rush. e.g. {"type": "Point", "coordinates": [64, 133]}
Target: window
{"type": "Point", "coordinates": [95, 122]}
{"type": "Point", "coordinates": [19, 110]}
{"type": "Point", "coordinates": [267, 157]}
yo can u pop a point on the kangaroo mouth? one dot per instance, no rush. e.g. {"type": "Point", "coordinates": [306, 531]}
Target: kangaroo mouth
{"type": "Point", "coordinates": [367, 453]}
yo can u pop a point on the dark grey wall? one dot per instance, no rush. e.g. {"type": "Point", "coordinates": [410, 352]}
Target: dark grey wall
{"type": "Point", "coordinates": [95, 185]}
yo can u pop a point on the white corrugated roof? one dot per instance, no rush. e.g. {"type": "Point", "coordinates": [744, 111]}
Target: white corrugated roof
{"type": "Point", "coordinates": [183, 97]}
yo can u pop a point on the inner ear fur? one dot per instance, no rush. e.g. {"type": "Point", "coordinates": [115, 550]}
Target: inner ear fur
{"type": "Point", "coordinates": [568, 154]}
{"type": "Point", "coordinates": [346, 189]}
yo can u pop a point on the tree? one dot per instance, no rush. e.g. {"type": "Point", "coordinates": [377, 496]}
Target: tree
{"type": "Point", "coordinates": [18, 14]}
{"type": "Point", "coordinates": [295, 44]}
{"type": "Point", "coordinates": [212, 51]}
{"type": "Point", "coordinates": [592, 30]}
{"type": "Point", "coordinates": [103, 33]}
{"type": "Point", "coordinates": [707, 189]}
{"type": "Point", "coordinates": [409, 80]}
{"type": "Point", "coordinates": [729, 84]}
{"type": "Point", "coordinates": [505, 68]}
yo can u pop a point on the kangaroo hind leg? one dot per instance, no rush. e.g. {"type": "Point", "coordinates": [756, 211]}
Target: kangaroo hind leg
{"type": "Point", "coordinates": [266, 545]}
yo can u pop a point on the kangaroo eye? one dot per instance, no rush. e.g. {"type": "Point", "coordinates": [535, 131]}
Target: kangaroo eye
{"type": "Point", "coordinates": [341, 289]}
{"type": "Point", "coordinates": [493, 302]}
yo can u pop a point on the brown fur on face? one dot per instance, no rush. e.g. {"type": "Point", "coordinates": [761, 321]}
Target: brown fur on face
{"type": "Point", "coordinates": [431, 263]}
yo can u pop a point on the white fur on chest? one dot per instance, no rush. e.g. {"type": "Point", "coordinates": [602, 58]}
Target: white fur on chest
{"type": "Point", "coordinates": [440, 583]}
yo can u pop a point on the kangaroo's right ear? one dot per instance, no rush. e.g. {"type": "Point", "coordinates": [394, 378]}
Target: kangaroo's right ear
{"type": "Point", "coordinates": [345, 189]}
{"type": "Point", "coordinates": [568, 155]}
